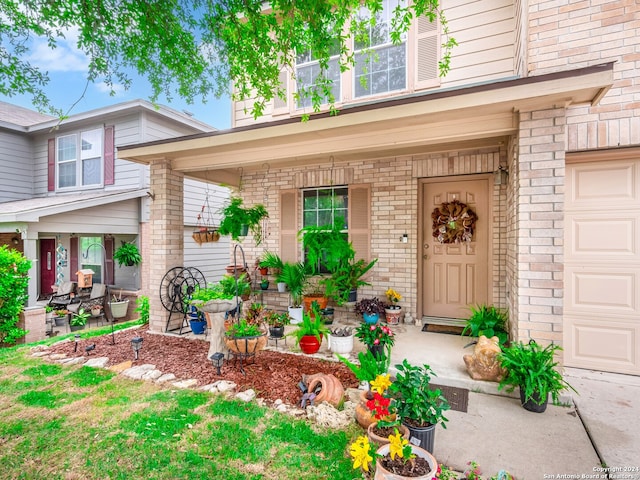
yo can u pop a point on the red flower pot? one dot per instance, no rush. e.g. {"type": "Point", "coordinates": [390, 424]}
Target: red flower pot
{"type": "Point", "coordinates": [310, 344]}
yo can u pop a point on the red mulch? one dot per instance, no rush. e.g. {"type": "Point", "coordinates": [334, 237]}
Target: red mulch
{"type": "Point", "coordinates": [274, 375]}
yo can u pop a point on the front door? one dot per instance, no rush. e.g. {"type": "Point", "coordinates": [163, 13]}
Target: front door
{"type": "Point", "coordinates": [454, 275]}
{"type": "Point", "coordinates": [47, 265]}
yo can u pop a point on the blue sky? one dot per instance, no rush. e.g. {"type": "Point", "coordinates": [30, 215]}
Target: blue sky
{"type": "Point", "coordinates": [67, 69]}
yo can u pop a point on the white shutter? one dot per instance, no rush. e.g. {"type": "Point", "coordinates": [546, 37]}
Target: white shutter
{"type": "Point", "coordinates": [427, 53]}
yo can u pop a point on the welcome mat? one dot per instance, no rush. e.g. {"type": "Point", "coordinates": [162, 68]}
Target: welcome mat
{"type": "Point", "coordinates": [458, 398]}
{"type": "Point", "coordinates": [433, 328]}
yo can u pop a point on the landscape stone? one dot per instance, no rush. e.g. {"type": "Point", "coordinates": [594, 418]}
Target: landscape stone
{"type": "Point", "coordinates": [327, 415]}
{"type": "Point", "coordinates": [152, 375]}
{"type": "Point", "coordinates": [98, 362]}
{"type": "Point", "coordinates": [246, 396]}
{"type": "Point", "coordinates": [121, 367]}
{"type": "Point", "coordinates": [138, 371]}
{"type": "Point", "coordinates": [186, 383]}
{"type": "Point", "coordinates": [41, 353]}
{"type": "Point", "coordinates": [57, 356]}
{"type": "Point", "coordinates": [167, 377]}
{"type": "Point", "coordinates": [74, 361]}
{"type": "Point", "coordinates": [225, 386]}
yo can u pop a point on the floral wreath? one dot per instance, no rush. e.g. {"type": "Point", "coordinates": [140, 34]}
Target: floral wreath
{"type": "Point", "coordinates": [453, 222]}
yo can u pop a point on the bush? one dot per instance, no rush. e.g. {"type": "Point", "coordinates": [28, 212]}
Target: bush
{"type": "Point", "coordinates": [14, 282]}
{"type": "Point", "coordinates": [142, 308]}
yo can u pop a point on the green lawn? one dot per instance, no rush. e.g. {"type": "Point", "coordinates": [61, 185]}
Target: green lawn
{"type": "Point", "coordinates": [75, 423]}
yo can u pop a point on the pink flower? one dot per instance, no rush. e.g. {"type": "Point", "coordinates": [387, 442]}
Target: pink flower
{"type": "Point", "coordinates": [376, 341]}
{"type": "Point", "coordinates": [372, 328]}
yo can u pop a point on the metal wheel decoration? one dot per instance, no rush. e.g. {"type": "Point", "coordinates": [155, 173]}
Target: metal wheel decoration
{"type": "Point", "coordinates": [176, 288]}
{"type": "Point", "coordinates": [453, 222]}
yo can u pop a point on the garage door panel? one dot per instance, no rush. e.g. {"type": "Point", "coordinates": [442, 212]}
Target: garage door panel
{"type": "Point", "coordinates": [599, 290]}
{"type": "Point", "coordinates": [603, 236]}
{"type": "Point", "coordinates": [593, 343]}
{"type": "Point", "coordinates": [606, 183]}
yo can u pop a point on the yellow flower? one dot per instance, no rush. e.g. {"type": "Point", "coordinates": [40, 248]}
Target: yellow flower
{"type": "Point", "coordinates": [393, 296]}
{"type": "Point", "coordinates": [360, 453]}
{"type": "Point", "coordinates": [381, 383]}
{"type": "Point", "coordinates": [396, 445]}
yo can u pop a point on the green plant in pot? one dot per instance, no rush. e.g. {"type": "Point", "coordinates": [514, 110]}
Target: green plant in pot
{"type": "Point", "coordinates": [238, 220]}
{"type": "Point", "coordinates": [489, 321]}
{"type": "Point", "coordinates": [532, 368]}
{"type": "Point", "coordinates": [326, 247]}
{"type": "Point", "coordinates": [309, 333]}
{"type": "Point", "coordinates": [127, 254]}
{"type": "Point", "coordinates": [79, 320]}
{"type": "Point", "coordinates": [244, 337]}
{"type": "Point", "coordinates": [344, 282]}
{"type": "Point", "coordinates": [295, 275]}
{"type": "Point", "coordinates": [276, 322]}
{"type": "Point", "coordinates": [419, 406]}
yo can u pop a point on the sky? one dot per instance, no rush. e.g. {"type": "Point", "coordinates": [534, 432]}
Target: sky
{"type": "Point", "coordinates": [67, 68]}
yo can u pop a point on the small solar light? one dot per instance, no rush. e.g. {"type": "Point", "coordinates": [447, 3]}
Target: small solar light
{"type": "Point", "coordinates": [77, 339]}
{"type": "Point", "coordinates": [136, 344]}
{"type": "Point", "coordinates": [217, 359]}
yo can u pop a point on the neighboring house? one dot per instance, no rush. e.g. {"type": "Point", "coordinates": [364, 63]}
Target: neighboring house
{"type": "Point", "coordinates": [65, 194]}
{"type": "Point", "coordinates": [536, 128]}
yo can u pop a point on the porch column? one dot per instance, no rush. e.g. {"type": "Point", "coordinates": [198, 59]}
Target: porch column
{"type": "Point", "coordinates": [166, 242]}
{"type": "Point", "coordinates": [539, 231]}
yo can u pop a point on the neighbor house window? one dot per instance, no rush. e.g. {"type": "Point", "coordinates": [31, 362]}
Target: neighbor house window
{"type": "Point", "coordinates": [381, 66]}
{"type": "Point", "coordinates": [79, 159]}
{"type": "Point", "coordinates": [309, 72]}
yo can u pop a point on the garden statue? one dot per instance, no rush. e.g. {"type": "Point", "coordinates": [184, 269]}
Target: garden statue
{"type": "Point", "coordinates": [483, 363]}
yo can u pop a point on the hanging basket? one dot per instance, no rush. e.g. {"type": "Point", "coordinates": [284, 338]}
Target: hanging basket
{"type": "Point", "coordinates": [206, 235]}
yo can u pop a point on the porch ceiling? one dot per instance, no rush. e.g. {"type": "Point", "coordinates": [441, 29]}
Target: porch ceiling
{"type": "Point", "coordinates": [397, 127]}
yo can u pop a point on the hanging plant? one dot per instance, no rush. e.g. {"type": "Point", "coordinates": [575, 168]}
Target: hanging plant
{"type": "Point", "coordinates": [453, 222]}
{"type": "Point", "coordinates": [238, 220]}
{"type": "Point", "coordinates": [128, 254]}
{"type": "Point", "coordinates": [205, 230]}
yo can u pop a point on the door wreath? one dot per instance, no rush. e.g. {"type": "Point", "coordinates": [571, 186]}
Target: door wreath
{"type": "Point", "coordinates": [453, 222]}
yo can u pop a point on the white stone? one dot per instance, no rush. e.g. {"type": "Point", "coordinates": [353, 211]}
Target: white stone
{"type": "Point", "coordinates": [97, 362]}
{"type": "Point", "coordinates": [209, 387]}
{"type": "Point", "coordinates": [277, 403]}
{"type": "Point", "coordinates": [327, 415]}
{"type": "Point", "coordinates": [282, 408]}
{"type": "Point", "coordinates": [74, 361]}
{"type": "Point", "coordinates": [246, 396]}
{"type": "Point", "coordinates": [41, 353]}
{"type": "Point", "coordinates": [138, 371]}
{"type": "Point", "coordinates": [225, 386]}
{"type": "Point", "coordinates": [167, 377]}
{"type": "Point", "coordinates": [57, 356]}
{"type": "Point", "coordinates": [186, 383]}
{"type": "Point", "coordinates": [152, 375]}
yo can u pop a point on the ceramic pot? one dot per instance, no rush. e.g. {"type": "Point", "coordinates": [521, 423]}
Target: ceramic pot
{"type": "Point", "coordinates": [384, 474]}
{"type": "Point", "coordinates": [374, 438]}
{"type": "Point", "coordinates": [276, 332]}
{"type": "Point", "coordinates": [340, 345]}
{"type": "Point", "coordinates": [331, 390]}
{"type": "Point", "coordinates": [393, 315]}
{"type": "Point", "coordinates": [364, 417]}
{"type": "Point", "coordinates": [371, 318]}
{"type": "Point", "coordinates": [296, 315]}
{"type": "Point", "coordinates": [119, 309]}
{"type": "Point", "coordinates": [282, 287]}
{"type": "Point", "coordinates": [309, 299]}
{"type": "Point", "coordinates": [198, 326]}
{"type": "Point", "coordinates": [309, 344]}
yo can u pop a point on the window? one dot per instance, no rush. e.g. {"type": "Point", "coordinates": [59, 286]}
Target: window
{"type": "Point", "coordinates": [321, 206]}
{"type": "Point", "coordinates": [79, 159]}
{"type": "Point", "coordinates": [91, 256]}
{"type": "Point", "coordinates": [381, 66]}
{"type": "Point", "coordinates": [309, 75]}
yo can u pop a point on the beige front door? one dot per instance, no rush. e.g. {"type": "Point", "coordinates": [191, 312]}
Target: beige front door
{"type": "Point", "coordinates": [602, 265]}
{"type": "Point", "coordinates": [454, 275]}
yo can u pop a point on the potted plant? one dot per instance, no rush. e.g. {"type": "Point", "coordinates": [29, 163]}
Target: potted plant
{"type": "Point", "coordinates": [344, 282]}
{"type": "Point", "coordinates": [119, 306]}
{"type": "Point", "coordinates": [370, 309]}
{"type": "Point", "coordinates": [309, 333]}
{"type": "Point", "coordinates": [238, 220]}
{"type": "Point", "coordinates": [264, 284]}
{"type": "Point", "coordinates": [245, 338]}
{"type": "Point", "coordinates": [489, 321]}
{"type": "Point", "coordinates": [386, 421]}
{"type": "Point", "coordinates": [276, 322]}
{"type": "Point", "coordinates": [59, 316]}
{"type": "Point", "coordinates": [340, 340]}
{"type": "Point", "coordinates": [396, 460]}
{"type": "Point", "coordinates": [420, 407]}
{"type": "Point", "coordinates": [392, 309]}
{"type": "Point", "coordinates": [127, 254]}
{"type": "Point", "coordinates": [326, 247]}
{"type": "Point", "coordinates": [220, 296]}
{"type": "Point", "coordinates": [79, 320]}
{"type": "Point", "coordinates": [96, 310]}
{"type": "Point", "coordinates": [48, 312]}
{"type": "Point", "coordinates": [197, 321]}
{"type": "Point", "coordinates": [532, 369]}
{"type": "Point", "coordinates": [295, 276]}
{"type": "Point", "coordinates": [378, 338]}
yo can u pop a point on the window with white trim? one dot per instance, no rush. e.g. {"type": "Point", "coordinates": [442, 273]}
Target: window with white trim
{"type": "Point", "coordinates": [79, 159]}
{"type": "Point", "coordinates": [309, 72]}
{"type": "Point", "coordinates": [321, 206]}
{"type": "Point", "coordinates": [381, 66]}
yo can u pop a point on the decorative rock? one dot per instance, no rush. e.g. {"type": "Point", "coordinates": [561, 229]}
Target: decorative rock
{"type": "Point", "coordinates": [121, 367]}
{"type": "Point", "coordinates": [167, 377]}
{"type": "Point", "coordinates": [483, 364]}
{"type": "Point", "coordinates": [327, 415]}
{"type": "Point", "coordinates": [137, 372]}
{"type": "Point", "coordinates": [282, 408]}
{"type": "Point", "coordinates": [209, 388]}
{"type": "Point", "coordinates": [246, 396]}
{"type": "Point", "coordinates": [186, 383]}
{"type": "Point", "coordinates": [41, 353]}
{"type": "Point", "coordinates": [39, 348]}
{"type": "Point", "coordinates": [225, 386]}
{"type": "Point", "coordinates": [277, 403]}
{"type": "Point", "coordinates": [57, 356]}
{"type": "Point", "coordinates": [152, 375]}
{"type": "Point", "coordinates": [72, 361]}
{"type": "Point", "coordinates": [98, 362]}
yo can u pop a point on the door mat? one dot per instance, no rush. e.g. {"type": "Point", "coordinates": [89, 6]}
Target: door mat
{"type": "Point", "coordinates": [450, 329]}
{"type": "Point", "coordinates": [458, 398]}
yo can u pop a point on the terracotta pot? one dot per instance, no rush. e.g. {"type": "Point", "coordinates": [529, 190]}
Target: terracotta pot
{"type": "Point", "coordinates": [309, 299]}
{"type": "Point", "coordinates": [384, 440]}
{"type": "Point", "coordinates": [332, 390]}
{"type": "Point", "coordinates": [364, 417]}
{"type": "Point", "coordinates": [264, 271]}
{"type": "Point", "coordinates": [384, 474]}
{"type": "Point", "coordinates": [309, 344]}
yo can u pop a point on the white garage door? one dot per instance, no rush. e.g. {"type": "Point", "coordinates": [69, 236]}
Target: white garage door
{"type": "Point", "coordinates": [602, 265]}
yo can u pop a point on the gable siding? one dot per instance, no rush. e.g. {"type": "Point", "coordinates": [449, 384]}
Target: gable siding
{"type": "Point", "coordinates": [485, 32]}
{"type": "Point", "coordinates": [16, 167]}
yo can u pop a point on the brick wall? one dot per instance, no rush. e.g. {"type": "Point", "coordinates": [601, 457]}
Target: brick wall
{"type": "Point", "coordinates": [570, 34]}
{"type": "Point", "coordinates": [394, 211]}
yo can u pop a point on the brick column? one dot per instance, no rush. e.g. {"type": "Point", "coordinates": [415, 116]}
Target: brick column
{"type": "Point", "coordinates": [166, 241]}
{"type": "Point", "coordinates": [539, 205]}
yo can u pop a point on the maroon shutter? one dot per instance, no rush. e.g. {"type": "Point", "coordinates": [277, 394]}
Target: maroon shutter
{"type": "Point", "coordinates": [109, 155]}
{"type": "Point", "coordinates": [73, 259]}
{"type": "Point", "coordinates": [51, 165]}
{"type": "Point", "coordinates": [108, 278]}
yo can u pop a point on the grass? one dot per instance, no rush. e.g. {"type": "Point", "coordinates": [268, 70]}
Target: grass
{"type": "Point", "coordinates": [70, 422]}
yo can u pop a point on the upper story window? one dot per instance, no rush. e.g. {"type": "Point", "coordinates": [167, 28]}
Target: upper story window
{"type": "Point", "coordinates": [310, 74]}
{"type": "Point", "coordinates": [381, 66]}
{"type": "Point", "coordinates": [79, 159]}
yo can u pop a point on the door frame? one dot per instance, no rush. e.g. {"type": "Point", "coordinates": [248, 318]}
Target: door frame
{"type": "Point", "coordinates": [490, 229]}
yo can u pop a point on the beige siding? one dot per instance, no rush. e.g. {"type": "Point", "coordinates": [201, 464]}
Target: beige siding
{"type": "Point", "coordinates": [16, 167]}
{"type": "Point", "coordinates": [485, 30]}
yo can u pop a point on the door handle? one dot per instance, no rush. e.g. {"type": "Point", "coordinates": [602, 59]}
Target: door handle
{"type": "Point", "coordinates": [425, 256]}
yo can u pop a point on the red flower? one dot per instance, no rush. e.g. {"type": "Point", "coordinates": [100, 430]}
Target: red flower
{"type": "Point", "coordinates": [376, 341]}
{"type": "Point", "coordinates": [379, 406]}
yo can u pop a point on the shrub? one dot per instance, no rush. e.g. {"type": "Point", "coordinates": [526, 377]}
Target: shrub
{"type": "Point", "coordinates": [142, 308]}
{"type": "Point", "coordinates": [14, 282]}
